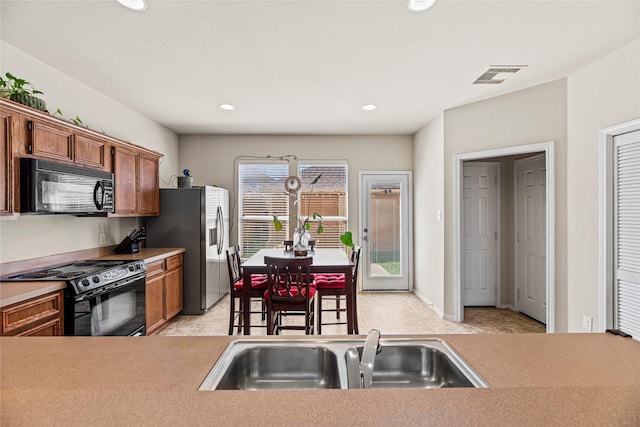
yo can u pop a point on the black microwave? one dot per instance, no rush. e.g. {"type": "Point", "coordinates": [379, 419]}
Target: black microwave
{"type": "Point", "coordinates": [54, 188]}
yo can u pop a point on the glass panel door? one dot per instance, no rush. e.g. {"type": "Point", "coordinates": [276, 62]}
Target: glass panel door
{"type": "Point", "coordinates": [385, 231]}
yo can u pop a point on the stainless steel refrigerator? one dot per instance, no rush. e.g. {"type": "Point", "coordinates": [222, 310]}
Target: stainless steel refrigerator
{"type": "Point", "coordinates": [196, 219]}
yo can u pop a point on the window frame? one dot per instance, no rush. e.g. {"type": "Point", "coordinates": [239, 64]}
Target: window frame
{"type": "Point", "coordinates": [282, 216]}
{"type": "Point", "coordinates": [305, 188]}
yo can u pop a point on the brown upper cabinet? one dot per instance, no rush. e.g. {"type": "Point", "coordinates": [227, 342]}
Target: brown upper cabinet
{"type": "Point", "coordinates": [25, 132]}
{"type": "Point", "coordinates": [5, 160]}
{"type": "Point", "coordinates": [137, 190]}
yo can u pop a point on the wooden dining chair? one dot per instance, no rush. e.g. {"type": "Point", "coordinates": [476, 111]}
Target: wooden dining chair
{"type": "Point", "coordinates": [290, 291]}
{"type": "Point", "coordinates": [333, 286]}
{"type": "Point", "coordinates": [236, 286]}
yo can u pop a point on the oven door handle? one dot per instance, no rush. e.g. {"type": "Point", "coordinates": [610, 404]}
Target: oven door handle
{"type": "Point", "coordinates": [109, 288]}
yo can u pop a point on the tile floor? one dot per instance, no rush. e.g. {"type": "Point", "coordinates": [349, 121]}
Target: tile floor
{"type": "Point", "coordinates": [391, 313]}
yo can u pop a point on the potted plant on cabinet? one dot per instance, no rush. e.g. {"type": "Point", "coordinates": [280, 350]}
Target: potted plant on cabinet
{"type": "Point", "coordinates": [21, 91]}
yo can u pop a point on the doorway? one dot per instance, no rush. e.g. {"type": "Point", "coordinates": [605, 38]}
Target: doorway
{"type": "Point", "coordinates": [385, 221]}
{"type": "Point", "coordinates": [530, 224]}
{"type": "Point", "coordinates": [480, 244]}
{"type": "Point", "coordinates": [507, 243]}
{"type": "Point", "coordinates": [618, 228]}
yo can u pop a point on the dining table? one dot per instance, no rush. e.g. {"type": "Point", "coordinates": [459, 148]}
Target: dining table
{"type": "Point", "coordinates": [325, 260]}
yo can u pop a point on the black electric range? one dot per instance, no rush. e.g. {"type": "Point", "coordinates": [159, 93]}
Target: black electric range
{"type": "Point", "coordinates": [102, 297]}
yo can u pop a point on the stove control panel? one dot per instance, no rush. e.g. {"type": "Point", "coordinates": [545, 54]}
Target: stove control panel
{"type": "Point", "coordinates": [108, 276]}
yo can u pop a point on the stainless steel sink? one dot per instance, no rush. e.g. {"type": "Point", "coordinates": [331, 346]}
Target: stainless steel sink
{"type": "Point", "coordinates": [315, 363]}
{"type": "Point", "coordinates": [266, 364]}
{"type": "Point", "coordinates": [281, 367]}
{"type": "Point", "coordinates": [418, 366]}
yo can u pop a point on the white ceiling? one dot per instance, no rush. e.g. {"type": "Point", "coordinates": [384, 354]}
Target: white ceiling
{"type": "Point", "coordinates": [308, 66]}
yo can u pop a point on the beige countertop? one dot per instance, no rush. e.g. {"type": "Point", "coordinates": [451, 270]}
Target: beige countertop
{"type": "Point", "coordinates": [536, 379]}
{"type": "Point", "coordinates": [15, 292]}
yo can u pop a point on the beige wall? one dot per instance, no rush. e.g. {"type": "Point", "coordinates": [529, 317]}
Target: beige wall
{"type": "Point", "coordinates": [428, 188]}
{"type": "Point", "coordinates": [570, 112]}
{"type": "Point", "coordinates": [36, 236]}
{"type": "Point", "coordinates": [603, 94]}
{"type": "Point", "coordinates": [525, 117]}
{"type": "Point", "coordinates": [211, 158]}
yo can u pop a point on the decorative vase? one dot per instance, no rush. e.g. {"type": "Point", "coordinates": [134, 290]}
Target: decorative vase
{"type": "Point", "coordinates": [185, 181]}
{"type": "Point", "coordinates": [29, 101]}
{"type": "Point", "coordinates": [301, 239]}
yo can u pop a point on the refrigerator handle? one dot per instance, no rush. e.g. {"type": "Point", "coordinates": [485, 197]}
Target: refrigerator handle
{"type": "Point", "coordinates": [220, 228]}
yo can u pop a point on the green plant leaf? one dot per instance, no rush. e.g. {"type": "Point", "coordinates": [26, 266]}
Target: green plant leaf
{"type": "Point", "coordinates": [307, 225]}
{"type": "Point", "coordinates": [320, 228]}
{"type": "Point", "coordinates": [347, 239]}
{"type": "Point", "coordinates": [315, 181]}
{"type": "Point", "coordinates": [276, 223]}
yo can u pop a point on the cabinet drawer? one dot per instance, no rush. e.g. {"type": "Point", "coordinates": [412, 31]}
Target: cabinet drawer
{"type": "Point", "coordinates": [156, 267]}
{"type": "Point", "coordinates": [17, 318]}
{"type": "Point", "coordinates": [52, 328]}
{"type": "Point", "coordinates": [174, 261]}
{"type": "Point", "coordinates": [89, 152]}
{"type": "Point", "coordinates": [50, 141]}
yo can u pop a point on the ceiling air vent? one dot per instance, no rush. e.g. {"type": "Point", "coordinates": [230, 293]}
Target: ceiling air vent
{"type": "Point", "coordinates": [496, 74]}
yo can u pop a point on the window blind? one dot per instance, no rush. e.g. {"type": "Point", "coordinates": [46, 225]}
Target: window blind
{"type": "Point", "coordinates": [627, 232]}
{"type": "Point", "coordinates": [328, 198]}
{"type": "Point", "coordinates": [261, 194]}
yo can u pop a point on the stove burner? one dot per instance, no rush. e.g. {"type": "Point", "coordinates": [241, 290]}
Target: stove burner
{"type": "Point", "coordinates": [109, 263]}
{"type": "Point", "coordinates": [92, 263]}
{"type": "Point", "coordinates": [84, 263]}
{"type": "Point", "coordinates": [70, 274]}
{"type": "Point", "coordinates": [40, 274]}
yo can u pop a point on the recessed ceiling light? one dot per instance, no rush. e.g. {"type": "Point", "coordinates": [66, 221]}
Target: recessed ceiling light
{"type": "Point", "coordinates": [369, 107]}
{"type": "Point", "coordinates": [227, 107]}
{"type": "Point", "coordinates": [419, 5]}
{"type": "Point", "coordinates": [138, 5]}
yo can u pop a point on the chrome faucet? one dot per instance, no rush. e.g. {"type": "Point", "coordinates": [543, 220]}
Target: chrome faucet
{"type": "Point", "coordinates": [360, 370]}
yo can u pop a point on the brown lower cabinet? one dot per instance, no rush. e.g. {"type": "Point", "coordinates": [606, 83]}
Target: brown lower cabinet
{"type": "Point", "coordinates": [39, 316]}
{"type": "Point", "coordinates": [164, 291]}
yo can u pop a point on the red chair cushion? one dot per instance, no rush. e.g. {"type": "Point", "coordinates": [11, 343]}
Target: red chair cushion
{"type": "Point", "coordinates": [294, 292]}
{"type": "Point", "coordinates": [257, 282]}
{"type": "Point", "coordinates": [339, 276]}
{"type": "Point", "coordinates": [330, 281]}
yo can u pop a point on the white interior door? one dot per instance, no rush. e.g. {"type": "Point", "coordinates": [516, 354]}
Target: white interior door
{"type": "Point", "coordinates": [626, 247]}
{"type": "Point", "coordinates": [385, 221]}
{"type": "Point", "coordinates": [480, 245]}
{"type": "Point", "coordinates": [530, 221]}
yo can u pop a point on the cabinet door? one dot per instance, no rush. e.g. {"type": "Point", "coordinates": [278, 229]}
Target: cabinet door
{"type": "Point", "coordinates": [148, 186]}
{"type": "Point", "coordinates": [154, 303]}
{"type": "Point", "coordinates": [125, 170]}
{"type": "Point", "coordinates": [5, 161]}
{"type": "Point", "coordinates": [49, 141]}
{"type": "Point", "coordinates": [53, 328]}
{"type": "Point", "coordinates": [40, 315]}
{"type": "Point", "coordinates": [173, 294]}
{"type": "Point", "coordinates": [89, 151]}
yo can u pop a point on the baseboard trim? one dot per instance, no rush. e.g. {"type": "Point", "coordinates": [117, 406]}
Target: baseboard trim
{"type": "Point", "coordinates": [429, 303]}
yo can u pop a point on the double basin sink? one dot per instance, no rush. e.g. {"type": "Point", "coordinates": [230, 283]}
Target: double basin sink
{"type": "Point", "coordinates": [324, 364]}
